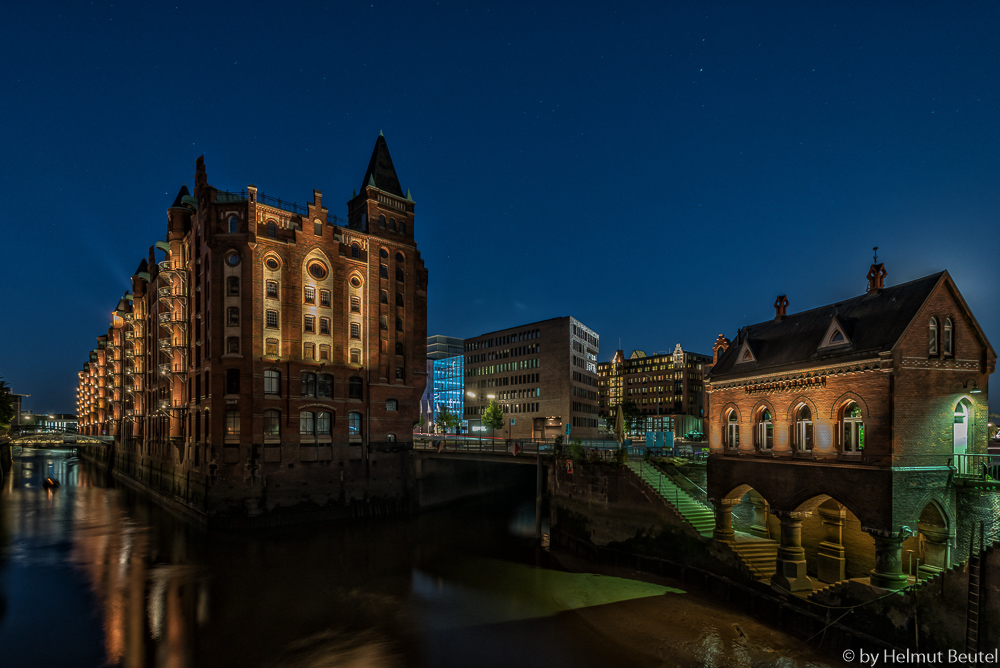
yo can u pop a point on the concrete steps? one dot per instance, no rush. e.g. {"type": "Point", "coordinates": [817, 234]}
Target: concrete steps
{"type": "Point", "coordinates": [700, 516]}
{"type": "Point", "coordinates": [759, 555]}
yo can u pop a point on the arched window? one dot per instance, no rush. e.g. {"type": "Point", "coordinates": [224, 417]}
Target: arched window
{"type": "Point", "coordinates": [354, 423]}
{"type": "Point", "coordinates": [390, 438]}
{"type": "Point", "coordinates": [853, 429]}
{"type": "Point", "coordinates": [391, 405]}
{"type": "Point", "coordinates": [932, 343]}
{"type": "Point", "coordinates": [949, 337]}
{"type": "Point", "coordinates": [355, 251]}
{"type": "Point", "coordinates": [402, 227]}
{"type": "Point", "coordinates": [962, 434]}
{"type": "Point", "coordinates": [354, 388]}
{"type": "Point", "coordinates": [392, 224]}
{"type": "Point", "coordinates": [732, 430]}
{"type": "Point", "coordinates": [272, 229]}
{"type": "Point", "coordinates": [765, 431]}
{"type": "Point", "coordinates": [272, 381]}
{"type": "Point", "coordinates": [306, 422]}
{"type": "Point", "coordinates": [234, 224]}
{"type": "Point", "coordinates": [324, 386]}
{"type": "Point", "coordinates": [272, 422]}
{"type": "Point", "coordinates": [803, 429]}
{"type": "Point", "coordinates": [308, 384]}
{"type": "Point", "coordinates": [381, 221]}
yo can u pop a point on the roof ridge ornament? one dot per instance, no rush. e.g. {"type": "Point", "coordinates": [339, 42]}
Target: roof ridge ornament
{"type": "Point", "coordinates": [876, 274]}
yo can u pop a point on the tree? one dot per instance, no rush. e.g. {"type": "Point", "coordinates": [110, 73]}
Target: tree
{"type": "Point", "coordinates": [633, 418]}
{"type": "Point", "coordinates": [421, 423]}
{"type": "Point", "coordinates": [493, 416]}
{"type": "Point", "coordinates": [446, 420]}
{"type": "Point", "coordinates": [6, 406]}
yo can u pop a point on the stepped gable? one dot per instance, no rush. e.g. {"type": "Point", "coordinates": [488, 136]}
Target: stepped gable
{"type": "Point", "coordinates": [872, 323]}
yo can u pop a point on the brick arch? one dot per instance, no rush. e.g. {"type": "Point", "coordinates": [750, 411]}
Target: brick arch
{"type": "Point", "coordinates": [741, 490]}
{"type": "Point", "coordinates": [725, 410]}
{"type": "Point", "coordinates": [762, 403]}
{"type": "Point", "coordinates": [839, 402]}
{"type": "Point", "coordinates": [845, 500]}
{"type": "Point", "coordinates": [936, 500]}
{"type": "Point", "coordinates": [317, 254]}
{"type": "Point", "coordinates": [801, 399]}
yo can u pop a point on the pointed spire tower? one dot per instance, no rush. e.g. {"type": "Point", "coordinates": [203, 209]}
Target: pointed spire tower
{"type": "Point", "coordinates": [381, 208]}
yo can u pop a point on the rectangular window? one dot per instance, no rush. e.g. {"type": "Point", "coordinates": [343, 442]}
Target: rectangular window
{"type": "Point", "coordinates": [383, 297]}
{"type": "Point", "coordinates": [399, 373]}
{"type": "Point", "coordinates": [399, 324]}
{"type": "Point", "coordinates": [324, 297]}
{"type": "Point", "coordinates": [324, 352]}
{"type": "Point", "coordinates": [233, 344]}
{"type": "Point", "coordinates": [355, 304]}
{"type": "Point", "coordinates": [355, 356]}
{"type": "Point", "coordinates": [383, 322]}
{"type": "Point", "coordinates": [324, 325]}
{"type": "Point", "coordinates": [318, 229]}
{"type": "Point", "coordinates": [272, 423]}
{"type": "Point", "coordinates": [271, 347]}
{"type": "Point", "coordinates": [272, 289]}
{"type": "Point", "coordinates": [399, 274]}
{"type": "Point", "coordinates": [383, 271]}
{"type": "Point", "coordinates": [233, 285]}
{"type": "Point", "coordinates": [354, 424]}
{"type": "Point", "coordinates": [232, 423]}
{"type": "Point", "coordinates": [310, 323]}
{"type": "Point", "coordinates": [310, 294]}
{"type": "Point", "coordinates": [308, 351]}
{"type": "Point", "coordinates": [355, 330]}
{"type": "Point", "coordinates": [272, 318]}
{"type": "Point", "coordinates": [233, 315]}
{"type": "Point", "coordinates": [323, 423]}
{"type": "Point", "coordinates": [324, 386]}
{"type": "Point", "coordinates": [272, 381]}
{"type": "Point", "coordinates": [305, 422]}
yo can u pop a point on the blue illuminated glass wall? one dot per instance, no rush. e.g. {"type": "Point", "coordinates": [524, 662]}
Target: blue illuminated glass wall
{"type": "Point", "coordinates": [449, 386]}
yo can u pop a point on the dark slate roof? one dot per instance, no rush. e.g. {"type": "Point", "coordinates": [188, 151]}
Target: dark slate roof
{"type": "Point", "coordinates": [142, 267]}
{"type": "Point", "coordinates": [181, 194]}
{"type": "Point", "coordinates": [873, 323]}
{"type": "Point", "coordinates": [380, 172]}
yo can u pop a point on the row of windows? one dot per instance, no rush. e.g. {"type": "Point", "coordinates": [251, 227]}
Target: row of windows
{"type": "Point", "coordinates": [503, 354]}
{"type": "Point", "coordinates": [312, 385]}
{"type": "Point", "coordinates": [501, 368]}
{"type": "Point", "coordinates": [579, 407]}
{"type": "Point", "coordinates": [520, 394]}
{"type": "Point", "coordinates": [851, 430]}
{"type": "Point", "coordinates": [584, 378]}
{"type": "Point", "coordinates": [503, 340]}
{"type": "Point", "coordinates": [310, 423]}
{"type": "Point", "coordinates": [531, 407]}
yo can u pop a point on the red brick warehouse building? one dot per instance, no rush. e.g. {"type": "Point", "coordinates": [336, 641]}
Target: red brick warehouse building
{"type": "Point", "coordinates": [268, 355]}
{"type": "Point", "coordinates": [853, 434]}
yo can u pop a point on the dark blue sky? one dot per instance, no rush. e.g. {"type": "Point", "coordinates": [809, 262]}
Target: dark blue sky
{"type": "Point", "coordinates": [659, 171]}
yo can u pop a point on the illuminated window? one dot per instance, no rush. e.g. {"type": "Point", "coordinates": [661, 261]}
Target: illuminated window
{"type": "Point", "coordinates": [732, 431]}
{"type": "Point", "coordinates": [949, 338]}
{"type": "Point", "coordinates": [932, 343]}
{"type": "Point", "coordinates": [853, 429]}
{"type": "Point", "coordinates": [803, 429]}
{"type": "Point", "coordinates": [324, 423]}
{"type": "Point", "coordinates": [232, 423]}
{"type": "Point", "coordinates": [272, 422]}
{"type": "Point", "coordinates": [765, 431]}
{"type": "Point", "coordinates": [354, 423]}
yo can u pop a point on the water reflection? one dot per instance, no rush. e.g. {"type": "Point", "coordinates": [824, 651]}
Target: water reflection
{"type": "Point", "coordinates": [94, 575]}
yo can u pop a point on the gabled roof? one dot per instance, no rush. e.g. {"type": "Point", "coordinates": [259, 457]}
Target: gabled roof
{"type": "Point", "coordinates": [872, 323]}
{"type": "Point", "coordinates": [381, 174]}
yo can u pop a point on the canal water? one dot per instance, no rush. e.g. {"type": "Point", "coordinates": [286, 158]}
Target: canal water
{"type": "Point", "coordinates": [94, 575]}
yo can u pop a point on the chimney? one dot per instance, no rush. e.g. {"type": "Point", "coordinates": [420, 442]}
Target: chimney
{"type": "Point", "coordinates": [721, 343]}
{"type": "Point", "coordinates": [780, 307]}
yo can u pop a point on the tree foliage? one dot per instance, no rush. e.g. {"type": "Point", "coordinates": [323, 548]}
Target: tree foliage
{"type": "Point", "coordinates": [446, 420]}
{"type": "Point", "coordinates": [493, 416]}
{"type": "Point", "coordinates": [6, 405]}
{"type": "Point", "coordinates": [633, 418]}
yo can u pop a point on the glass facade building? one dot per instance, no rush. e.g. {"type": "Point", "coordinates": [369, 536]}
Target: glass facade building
{"type": "Point", "coordinates": [449, 386]}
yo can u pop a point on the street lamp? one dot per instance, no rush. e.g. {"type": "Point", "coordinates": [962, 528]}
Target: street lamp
{"type": "Point", "coordinates": [488, 398]}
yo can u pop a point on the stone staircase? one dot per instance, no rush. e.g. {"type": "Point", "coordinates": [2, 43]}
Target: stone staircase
{"type": "Point", "coordinates": [697, 514]}
{"type": "Point", "coordinates": [758, 554]}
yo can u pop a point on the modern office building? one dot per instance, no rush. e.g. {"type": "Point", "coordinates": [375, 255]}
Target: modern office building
{"type": "Point", "coordinates": [543, 375]}
{"type": "Point", "coordinates": [268, 354]}
{"type": "Point", "coordinates": [441, 385]}
{"type": "Point", "coordinates": [666, 388]}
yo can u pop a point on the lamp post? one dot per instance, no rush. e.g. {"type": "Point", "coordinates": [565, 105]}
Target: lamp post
{"type": "Point", "coordinates": [487, 398]}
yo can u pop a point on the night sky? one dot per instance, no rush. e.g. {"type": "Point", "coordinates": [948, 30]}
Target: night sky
{"type": "Point", "coordinates": [660, 171]}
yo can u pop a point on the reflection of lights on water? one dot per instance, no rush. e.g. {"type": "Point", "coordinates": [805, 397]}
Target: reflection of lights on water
{"type": "Point", "coordinates": [202, 611]}
{"type": "Point", "coordinates": [154, 605]}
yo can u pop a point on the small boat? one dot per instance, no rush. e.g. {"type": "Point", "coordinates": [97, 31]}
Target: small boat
{"type": "Point", "coordinates": [50, 483]}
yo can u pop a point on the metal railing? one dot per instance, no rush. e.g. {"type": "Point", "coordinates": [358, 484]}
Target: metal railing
{"type": "Point", "coordinates": [982, 467]}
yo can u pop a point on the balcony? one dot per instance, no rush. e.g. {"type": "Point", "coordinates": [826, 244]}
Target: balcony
{"type": "Point", "coordinates": [977, 470]}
